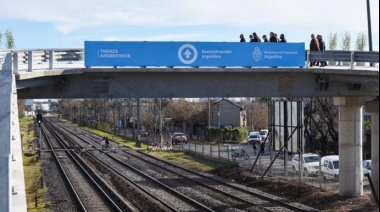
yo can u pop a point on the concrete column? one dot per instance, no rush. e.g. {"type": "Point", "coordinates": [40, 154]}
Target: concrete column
{"type": "Point", "coordinates": [350, 145]}
{"type": "Point", "coordinates": [373, 108]}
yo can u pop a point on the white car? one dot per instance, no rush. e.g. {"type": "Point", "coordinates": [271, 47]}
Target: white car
{"type": "Point", "coordinates": [264, 134]}
{"type": "Point", "coordinates": [254, 138]}
{"type": "Point", "coordinates": [330, 167]}
{"type": "Point", "coordinates": [367, 166]}
{"type": "Point", "coordinates": [309, 164]}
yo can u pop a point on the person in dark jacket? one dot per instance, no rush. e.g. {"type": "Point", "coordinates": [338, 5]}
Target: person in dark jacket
{"type": "Point", "coordinates": [278, 39]}
{"type": "Point", "coordinates": [322, 47]}
{"type": "Point", "coordinates": [255, 38]}
{"type": "Point", "coordinates": [242, 39]}
{"type": "Point", "coordinates": [272, 38]}
{"type": "Point", "coordinates": [314, 46]}
{"type": "Point", "coordinates": [265, 39]}
{"type": "Point", "coordinates": [282, 38]}
{"type": "Point", "coordinates": [107, 143]}
{"type": "Point", "coordinates": [258, 38]}
{"type": "Point", "coordinates": [251, 38]}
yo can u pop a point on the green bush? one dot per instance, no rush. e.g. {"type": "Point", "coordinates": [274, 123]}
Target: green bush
{"type": "Point", "coordinates": [228, 134]}
{"type": "Point", "coordinates": [346, 41]}
{"type": "Point", "coordinates": [361, 41]}
{"type": "Point", "coordinates": [333, 40]}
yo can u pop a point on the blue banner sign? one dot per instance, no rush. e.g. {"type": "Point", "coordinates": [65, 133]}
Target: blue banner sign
{"type": "Point", "coordinates": [99, 53]}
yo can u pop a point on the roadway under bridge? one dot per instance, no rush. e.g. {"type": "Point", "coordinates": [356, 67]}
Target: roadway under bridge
{"type": "Point", "coordinates": [352, 87]}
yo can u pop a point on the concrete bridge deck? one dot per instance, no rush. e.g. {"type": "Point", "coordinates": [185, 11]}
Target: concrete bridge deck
{"type": "Point", "coordinates": [353, 84]}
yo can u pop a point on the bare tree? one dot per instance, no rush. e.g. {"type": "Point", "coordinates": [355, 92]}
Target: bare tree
{"type": "Point", "coordinates": [188, 112]}
{"type": "Point", "coordinates": [320, 124]}
{"type": "Point", "coordinates": [257, 113]}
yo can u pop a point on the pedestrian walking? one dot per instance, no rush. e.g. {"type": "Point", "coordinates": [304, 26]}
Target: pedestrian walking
{"type": "Point", "coordinates": [107, 143]}
{"type": "Point", "coordinates": [103, 143]}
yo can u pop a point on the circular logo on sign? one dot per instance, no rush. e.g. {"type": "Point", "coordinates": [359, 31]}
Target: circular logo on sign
{"type": "Point", "coordinates": [257, 54]}
{"type": "Point", "coordinates": [187, 54]}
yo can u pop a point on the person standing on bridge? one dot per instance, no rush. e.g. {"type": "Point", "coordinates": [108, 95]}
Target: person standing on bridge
{"type": "Point", "coordinates": [251, 38]}
{"type": "Point", "coordinates": [255, 37]}
{"type": "Point", "coordinates": [272, 38]}
{"type": "Point", "coordinates": [322, 47]}
{"type": "Point", "coordinates": [265, 39]}
{"type": "Point", "coordinates": [242, 39]}
{"type": "Point", "coordinates": [314, 46]}
{"type": "Point", "coordinates": [282, 38]}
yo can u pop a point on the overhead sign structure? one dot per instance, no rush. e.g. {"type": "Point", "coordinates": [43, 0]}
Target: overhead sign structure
{"type": "Point", "coordinates": [99, 53]}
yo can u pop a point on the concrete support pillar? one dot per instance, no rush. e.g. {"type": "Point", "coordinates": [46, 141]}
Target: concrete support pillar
{"type": "Point", "coordinates": [373, 108]}
{"type": "Point", "coordinates": [350, 145]}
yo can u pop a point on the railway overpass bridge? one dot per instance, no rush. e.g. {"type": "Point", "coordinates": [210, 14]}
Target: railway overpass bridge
{"type": "Point", "coordinates": [62, 73]}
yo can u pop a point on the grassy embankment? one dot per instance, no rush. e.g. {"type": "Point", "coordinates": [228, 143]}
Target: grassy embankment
{"type": "Point", "coordinates": [32, 173]}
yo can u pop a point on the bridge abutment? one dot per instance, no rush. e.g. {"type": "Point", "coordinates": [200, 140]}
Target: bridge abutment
{"type": "Point", "coordinates": [373, 108]}
{"type": "Point", "coordinates": [350, 145]}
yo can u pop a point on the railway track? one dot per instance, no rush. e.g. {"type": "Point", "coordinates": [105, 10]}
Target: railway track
{"type": "Point", "coordinates": [207, 192]}
{"type": "Point", "coordinates": [89, 191]}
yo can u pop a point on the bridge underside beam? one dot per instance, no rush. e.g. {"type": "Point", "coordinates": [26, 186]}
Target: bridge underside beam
{"type": "Point", "coordinates": [198, 84]}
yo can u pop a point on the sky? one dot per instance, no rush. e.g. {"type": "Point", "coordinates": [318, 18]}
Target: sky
{"type": "Point", "coordinates": [67, 24]}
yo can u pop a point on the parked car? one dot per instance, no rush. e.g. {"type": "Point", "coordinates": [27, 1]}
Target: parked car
{"type": "Point", "coordinates": [264, 134]}
{"type": "Point", "coordinates": [254, 138]}
{"type": "Point", "coordinates": [144, 133]}
{"type": "Point", "coordinates": [367, 167]}
{"type": "Point", "coordinates": [330, 167]}
{"type": "Point", "coordinates": [309, 164]}
{"type": "Point", "coordinates": [179, 137]}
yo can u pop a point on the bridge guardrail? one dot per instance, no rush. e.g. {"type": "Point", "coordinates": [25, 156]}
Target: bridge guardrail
{"type": "Point", "coordinates": [52, 56]}
{"type": "Point", "coordinates": [343, 56]}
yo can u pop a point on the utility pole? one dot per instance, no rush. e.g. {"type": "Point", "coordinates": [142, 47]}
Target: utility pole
{"type": "Point", "coordinates": [209, 113]}
{"type": "Point", "coordinates": [160, 118]}
{"type": "Point", "coordinates": [252, 127]}
{"type": "Point", "coordinates": [369, 26]}
{"type": "Point", "coordinates": [219, 115]}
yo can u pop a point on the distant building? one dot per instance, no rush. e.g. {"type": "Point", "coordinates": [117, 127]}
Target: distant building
{"type": "Point", "coordinates": [46, 106]}
{"type": "Point", "coordinates": [225, 113]}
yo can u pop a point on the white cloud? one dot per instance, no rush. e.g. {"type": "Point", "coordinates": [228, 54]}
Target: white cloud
{"type": "Point", "coordinates": [70, 15]}
{"type": "Point", "coordinates": [164, 37]}
{"type": "Point", "coordinates": [184, 20]}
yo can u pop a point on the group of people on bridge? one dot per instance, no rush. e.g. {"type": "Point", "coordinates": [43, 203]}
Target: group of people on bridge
{"type": "Point", "coordinates": [273, 38]}
{"type": "Point", "coordinates": [316, 43]}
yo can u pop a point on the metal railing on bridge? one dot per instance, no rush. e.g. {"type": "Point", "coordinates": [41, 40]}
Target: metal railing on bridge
{"type": "Point", "coordinates": [49, 58]}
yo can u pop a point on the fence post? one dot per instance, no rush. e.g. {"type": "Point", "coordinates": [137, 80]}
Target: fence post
{"type": "Point", "coordinates": [228, 152]}
{"type": "Point", "coordinates": [352, 59]}
{"type": "Point", "coordinates": [51, 59]}
{"type": "Point", "coordinates": [30, 61]}
{"type": "Point", "coordinates": [307, 58]}
{"type": "Point", "coordinates": [15, 62]}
